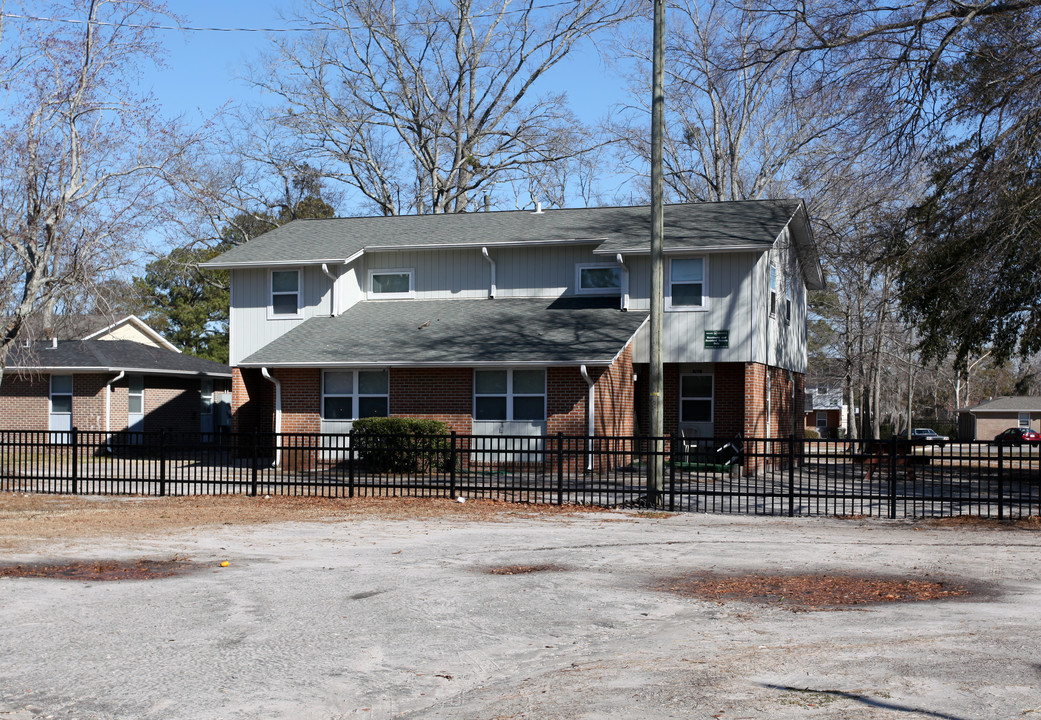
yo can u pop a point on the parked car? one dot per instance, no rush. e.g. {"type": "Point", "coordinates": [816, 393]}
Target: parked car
{"type": "Point", "coordinates": [1018, 436]}
{"type": "Point", "coordinates": [925, 435]}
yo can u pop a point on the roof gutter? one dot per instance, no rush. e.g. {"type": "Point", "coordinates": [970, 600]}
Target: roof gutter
{"type": "Point", "coordinates": [68, 369]}
{"type": "Point", "coordinates": [431, 364]}
{"type": "Point", "coordinates": [278, 414]}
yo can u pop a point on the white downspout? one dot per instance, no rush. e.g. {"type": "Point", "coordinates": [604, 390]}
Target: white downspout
{"type": "Point", "coordinates": [625, 283]}
{"type": "Point", "coordinates": [332, 290]}
{"type": "Point", "coordinates": [108, 407]}
{"type": "Point", "coordinates": [278, 413]}
{"type": "Point", "coordinates": [591, 415]}
{"type": "Point", "coordinates": [491, 290]}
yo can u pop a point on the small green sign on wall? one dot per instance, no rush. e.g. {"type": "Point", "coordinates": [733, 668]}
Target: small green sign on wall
{"type": "Point", "coordinates": [717, 339]}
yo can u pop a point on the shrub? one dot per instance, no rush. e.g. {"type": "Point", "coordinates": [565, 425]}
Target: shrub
{"type": "Point", "coordinates": [400, 444]}
{"type": "Point", "coordinates": [811, 434]}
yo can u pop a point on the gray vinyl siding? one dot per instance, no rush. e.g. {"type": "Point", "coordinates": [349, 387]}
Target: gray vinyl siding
{"type": "Point", "coordinates": [541, 271]}
{"type": "Point", "coordinates": [251, 293]}
{"type": "Point", "coordinates": [438, 275]}
{"type": "Point", "coordinates": [728, 306]}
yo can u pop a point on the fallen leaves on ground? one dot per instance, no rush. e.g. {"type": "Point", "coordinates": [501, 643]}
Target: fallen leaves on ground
{"type": "Point", "coordinates": [809, 592]}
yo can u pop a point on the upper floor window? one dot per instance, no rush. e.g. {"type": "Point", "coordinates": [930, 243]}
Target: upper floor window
{"type": "Point", "coordinates": [773, 290]}
{"type": "Point", "coordinates": [788, 300]}
{"type": "Point", "coordinates": [391, 284]}
{"type": "Point", "coordinates": [598, 279]}
{"type": "Point", "coordinates": [686, 284]}
{"type": "Point", "coordinates": [349, 394]}
{"type": "Point", "coordinates": [285, 294]}
{"type": "Point", "coordinates": [510, 394]}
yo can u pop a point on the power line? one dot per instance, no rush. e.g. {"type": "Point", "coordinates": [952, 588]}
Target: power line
{"type": "Point", "coordinates": [192, 28]}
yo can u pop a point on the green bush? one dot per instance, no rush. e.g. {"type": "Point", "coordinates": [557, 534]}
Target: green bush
{"type": "Point", "coordinates": [401, 444]}
{"type": "Point", "coordinates": [811, 434]}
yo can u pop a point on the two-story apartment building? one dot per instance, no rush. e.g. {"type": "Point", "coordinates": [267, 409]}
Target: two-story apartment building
{"type": "Point", "coordinates": [525, 322]}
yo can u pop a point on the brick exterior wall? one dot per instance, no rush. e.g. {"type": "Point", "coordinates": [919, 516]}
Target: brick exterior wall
{"type": "Point", "coordinates": [444, 394]}
{"type": "Point", "coordinates": [171, 403]}
{"type": "Point", "coordinates": [784, 418]}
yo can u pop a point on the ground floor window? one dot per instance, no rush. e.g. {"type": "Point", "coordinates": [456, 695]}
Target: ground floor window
{"type": "Point", "coordinates": [695, 398]}
{"type": "Point", "coordinates": [353, 394]}
{"type": "Point", "coordinates": [822, 418]}
{"type": "Point", "coordinates": [1024, 419]}
{"type": "Point", "coordinates": [510, 394]}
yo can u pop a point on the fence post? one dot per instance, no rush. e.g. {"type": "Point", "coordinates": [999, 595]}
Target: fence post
{"type": "Point", "coordinates": [560, 468]}
{"type": "Point", "coordinates": [674, 442]}
{"type": "Point", "coordinates": [255, 453]}
{"type": "Point", "coordinates": [1001, 482]}
{"type": "Point", "coordinates": [451, 466]}
{"type": "Point", "coordinates": [74, 474]}
{"type": "Point", "coordinates": [350, 463]}
{"type": "Point", "coordinates": [162, 462]}
{"type": "Point", "coordinates": [892, 477]}
{"type": "Point", "coordinates": [791, 475]}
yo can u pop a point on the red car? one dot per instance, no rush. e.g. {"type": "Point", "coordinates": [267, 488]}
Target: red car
{"type": "Point", "coordinates": [1018, 436]}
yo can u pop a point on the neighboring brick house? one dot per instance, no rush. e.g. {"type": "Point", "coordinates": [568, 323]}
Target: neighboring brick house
{"type": "Point", "coordinates": [119, 377]}
{"type": "Point", "coordinates": [524, 323]}
{"type": "Point", "coordinates": [825, 409]}
{"type": "Point", "coordinates": [986, 420]}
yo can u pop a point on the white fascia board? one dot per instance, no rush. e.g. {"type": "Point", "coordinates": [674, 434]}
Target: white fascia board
{"type": "Point", "coordinates": [477, 245]}
{"type": "Point", "coordinates": [631, 339]}
{"type": "Point", "coordinates": [700, 250]}
{"type": "Point", "coordinates": [432, 364]}
{"type": "Point", "coordinates": [70, 370]}
{"type": "Point", "coordinates": [245, 265]}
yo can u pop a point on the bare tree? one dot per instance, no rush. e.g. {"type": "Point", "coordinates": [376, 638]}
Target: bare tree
{"type": "Point", "coordinates": [427, 106]}
{"type": "Point", "coordinates": [83, 155]}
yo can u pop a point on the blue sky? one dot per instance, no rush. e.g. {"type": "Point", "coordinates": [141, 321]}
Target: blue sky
{"type": "Point", "coordinates": [205, 68]}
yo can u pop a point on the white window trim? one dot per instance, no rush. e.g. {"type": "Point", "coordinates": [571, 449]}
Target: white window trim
{"type": "Point", "coordinates": [579, 290]}
{"type": "Point", "coordinates": [355, 395]}
{"type": "Point", "coordinates": [391, 296]}
{"type": "Point", "coordinates": [271, 315]}
{"type": "Point", "coordinates": [711, 398]}
{"type": "Point", "coordinates": [510, 395]}
{"type": "Point", "coordinates": [704, 285]}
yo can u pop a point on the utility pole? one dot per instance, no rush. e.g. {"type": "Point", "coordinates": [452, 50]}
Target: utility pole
{"type": "Point", "coordinates": [656, 466]}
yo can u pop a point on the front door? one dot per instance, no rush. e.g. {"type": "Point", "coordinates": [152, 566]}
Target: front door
{"type": "Point", "coordinates": [135, 407]}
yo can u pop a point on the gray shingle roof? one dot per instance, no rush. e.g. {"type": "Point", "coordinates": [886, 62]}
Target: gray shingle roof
{"type": "Point", "coordinates": [112, 356]}
{"type": "Point", "coordinates": [1020, 403]}
{"type": "Point", "coordinates": [618, 229]}
{"type": "Point", "coordinates": [458, 332]}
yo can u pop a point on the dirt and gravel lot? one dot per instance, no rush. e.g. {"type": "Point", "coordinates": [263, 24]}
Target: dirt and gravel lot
{"type": "Point", "coordinates": [220, 608]}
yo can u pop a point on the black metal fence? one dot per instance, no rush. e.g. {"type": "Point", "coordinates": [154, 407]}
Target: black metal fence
{"type": "Point", "coordinates": [778, 476]}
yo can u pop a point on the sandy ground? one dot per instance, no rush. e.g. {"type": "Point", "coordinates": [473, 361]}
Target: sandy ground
{"type": "Point", "coordinates": [387, 609]}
